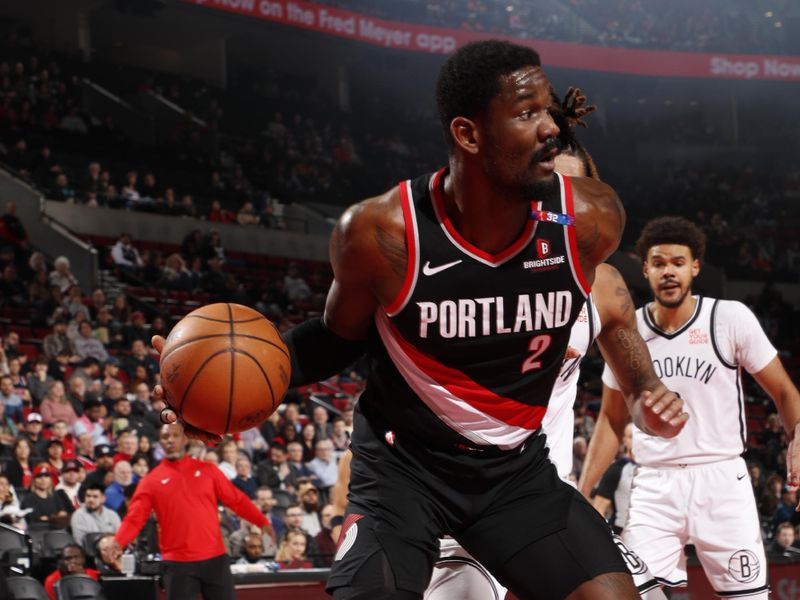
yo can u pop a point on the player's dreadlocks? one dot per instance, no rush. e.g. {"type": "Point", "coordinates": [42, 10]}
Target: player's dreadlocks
{"type": "Point", "coordinates": [568, 114]}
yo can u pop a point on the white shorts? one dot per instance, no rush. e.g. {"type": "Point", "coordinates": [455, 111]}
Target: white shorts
{"type": "Point", "coordinates": [458, 576]}
{"type": "Point", "coordinates": [709, 505]}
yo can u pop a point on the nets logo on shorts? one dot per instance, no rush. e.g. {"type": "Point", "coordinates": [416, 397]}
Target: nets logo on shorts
{"type": "Point", "coordinates": [744, 566]}
{"type": "Point", "coordinates": [635, 564]}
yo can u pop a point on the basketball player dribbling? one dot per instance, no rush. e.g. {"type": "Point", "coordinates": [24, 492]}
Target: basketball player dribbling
{"type": "Point", "coordinates": [465, 285]}
{"type": "Point", "coordinates": [695, 487]}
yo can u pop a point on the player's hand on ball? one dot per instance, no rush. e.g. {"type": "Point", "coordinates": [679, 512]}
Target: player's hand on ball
{"type": "Point", "coordinates": [661, 413]}
{"type": "Point", "coordinates": [169, 416]}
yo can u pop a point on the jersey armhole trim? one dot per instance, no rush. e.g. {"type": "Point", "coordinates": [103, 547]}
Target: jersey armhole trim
{"type": "Point", "coordinates": [714, 345]}
{"type": "Point", "coordinates": [571, 235]}
{"type": "Point", "coordinates": [412, 247]}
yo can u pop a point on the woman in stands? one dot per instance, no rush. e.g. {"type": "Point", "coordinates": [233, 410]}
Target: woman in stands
{"type": "Point", "coordinates": [9, 504]}
{"type": "Point", "coordinates": [292, 552]}
{"type": "Point", "coordinates": [18, 469]}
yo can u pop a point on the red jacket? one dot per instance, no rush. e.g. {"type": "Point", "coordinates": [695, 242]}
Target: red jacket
{"type": "Point", "coordinates": [50, 582]}
{"type": "Point", "coordinates": [184, 496]}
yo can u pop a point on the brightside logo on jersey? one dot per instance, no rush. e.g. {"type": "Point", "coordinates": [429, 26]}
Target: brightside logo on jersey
{"type": "Point", "coordinates": [544, 262]}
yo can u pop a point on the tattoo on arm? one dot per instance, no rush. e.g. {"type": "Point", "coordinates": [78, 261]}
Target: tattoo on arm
{"type": "Point", "coordinates": [639, 369]}
{"type": "Point", "coordinates": [393, 251]}
{"type": "Point", "coordinates": [625, 301]}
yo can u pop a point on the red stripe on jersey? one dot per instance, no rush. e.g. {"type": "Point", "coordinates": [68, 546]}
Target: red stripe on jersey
{"type": "Point", "coordinates": [573, 241]}
{"type": "Point", "coordinates": [460, 385]}
{"type": "Point", "coordinates": [349, 520]}
{"type": "Point", "coordinates": [519, 243]}
{"type": "Point", "coordinates": [411, 263]}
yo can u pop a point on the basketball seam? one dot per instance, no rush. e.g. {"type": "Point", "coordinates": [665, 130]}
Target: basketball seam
{"type": "Point", "coordinates": [224, 320]}
{"type": "Point", "coordinates": [260, 368]}
{"type": "Point", "coordinates": [213, 335]}
{"type": "Point", "coordinates": [196, 374]}
{"type": "Point", "coordinates": [232, 350]}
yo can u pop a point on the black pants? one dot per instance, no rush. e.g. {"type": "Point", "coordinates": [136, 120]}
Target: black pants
{"type": "Point", "coordinates": [210, 578]}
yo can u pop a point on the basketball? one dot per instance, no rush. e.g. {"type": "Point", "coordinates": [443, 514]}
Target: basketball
{"type": "Point", "coordinates": [224, 368]}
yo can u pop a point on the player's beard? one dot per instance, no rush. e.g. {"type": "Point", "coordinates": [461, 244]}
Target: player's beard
{"type": "Point", "coordinates": [520, 181]}
{"type": "Point", "coordinates": [666, 303]}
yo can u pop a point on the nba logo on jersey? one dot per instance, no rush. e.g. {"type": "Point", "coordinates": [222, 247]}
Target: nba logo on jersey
{"type": "Point", "coordinates": [542, 248]}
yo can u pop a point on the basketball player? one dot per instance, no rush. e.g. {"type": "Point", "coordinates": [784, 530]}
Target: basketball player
{"type": "Point", "coordinates": [695, 487]}
{"type": "Point", "coordinates": [465, 284]}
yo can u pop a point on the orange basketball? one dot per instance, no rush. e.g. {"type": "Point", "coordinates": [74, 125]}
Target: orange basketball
{"type": "Point", "coordinates": [224, 368]}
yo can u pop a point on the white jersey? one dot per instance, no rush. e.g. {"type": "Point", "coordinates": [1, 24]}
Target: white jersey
{"type": "Point", "coordinates": [702, 362]}
{"type": "Point", "coordinates": [559, 420]}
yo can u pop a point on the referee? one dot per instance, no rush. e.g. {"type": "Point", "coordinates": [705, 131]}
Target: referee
{"type": "Point", "coordinates": [184, 493]}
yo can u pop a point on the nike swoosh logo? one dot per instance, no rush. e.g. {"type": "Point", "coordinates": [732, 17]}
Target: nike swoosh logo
{"type": "Point", "coordinates": [427, 269]}
{"type": "Point", "coordinates": [165, 481]}
{"type": "Point", "coordinates": [740, 477]}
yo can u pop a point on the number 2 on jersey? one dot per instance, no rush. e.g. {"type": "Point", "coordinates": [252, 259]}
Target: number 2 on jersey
{"type": "Point", "coordinates": [537, 346]}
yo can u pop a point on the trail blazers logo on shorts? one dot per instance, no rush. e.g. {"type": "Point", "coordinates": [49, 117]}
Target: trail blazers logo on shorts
{"type": "Point", "coordinates": [347, 538]}
{"type": "Point", "coordinates": [544, 261]}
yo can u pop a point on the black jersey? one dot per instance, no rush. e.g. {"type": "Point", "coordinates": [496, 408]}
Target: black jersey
{"type": "Point", "coordinates": [468, 352]}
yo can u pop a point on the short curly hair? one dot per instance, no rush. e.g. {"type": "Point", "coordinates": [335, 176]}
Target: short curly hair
{"type": "Point", "coordinates": [471, 78]}
{"type": "Point", "coordinates": [671, 230]}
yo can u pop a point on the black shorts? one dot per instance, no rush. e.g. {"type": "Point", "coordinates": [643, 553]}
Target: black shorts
{"type": "Point", "coordinates": [404, 496]}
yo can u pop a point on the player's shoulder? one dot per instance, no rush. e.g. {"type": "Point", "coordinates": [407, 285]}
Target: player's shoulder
{"type": "Point", "coordinates": [730, 312]}
{"type": "Point", "coordinates": [384, 210]}
{"type": "Point", "coordinates": [599, 219]}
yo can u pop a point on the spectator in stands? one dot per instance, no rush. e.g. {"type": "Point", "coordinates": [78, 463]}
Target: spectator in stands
{"type": "Point", "coordinates": [60, 431]}
{"type": "Point", "coordinates": [58, 340]}
{"type": "Point", "coordinates": [73, 303]}
{"type": "Point", "coordinates": [103, 463]}
{"type": "Point", "coordinates": [188, 207]}
{"type": "Point", "coordinates": [228, 453]}
{"type": "Point", "coordinates": [121, 310]}
{"type": "Point", "coordinates": [56, 406]}
{"type": "Point", "coordinates": [18, 380]}
{"type": "Point", "coordinates": [86, 344]}
{"type": "Point", "coordinates": [265, 501]}
{"type": "Point", "coordinates": [771, 497]}
{"type": "Point", "coordinates": [294, 458]}
{"type": "Point", "coordinates": [237, 542]}
{"type": "Point", "coordinates": [62, 190]}
{"type": "Point", "coordinates": [308, 437]}
{"type": "Point", "coordinates": [786, 509]}
{"type": "Point", "coordinates": [579, 447]}
{"type": "Point", "coordinates": [55, 455]}
{"type": "Point", "coordinates": [39, 289]}
{"type": "Point", "coordinates": [19, 469]}
{"type": "Point", "coordinates": [783, 544]}
{"type": "Point", "coordinates": [175, 274]}
{"type": "Point", "coordinates": [39, 381]}
{"type": "Point", "coordinates": [326, 544]}
{"type": "Point", "coordinates": [8, 431]}
{"type": "Point", "coordinates": [253, 443]}
{"type": "Point", "coordinates": [33, 433]}
{"type": "Point", "coordinates": [84, 451]}
{"type": "Point", "coordinates": [92, 421]}
{"type": "Point", "coordinates": [340, 438]}
{"type": "Point", "coordinates": [9, 504]}
{"type": "Point", "coordinates": [308, 497]}
{"type": "Point", "coordinates": [71, 481]}
{"type": "Point", "coordinates": [127, 446]}
{"type": "Point", "coordinates": [49, 506]}
{"type": "Point", "coordinates": [324, 429]}
{"type": "Point", "coordinates": [296, 287]}
{"type": "Point", "coordinates": [11, 347]}
{"type": "Point", "coordinates": [12, 290]}
{"type": "Point", "coordinates": [244, 479]}
{"type": "Point", "coordinates": [62, 277]}
{"type": "Point", "coordinates": [139, 357]}
{"type": "Point", "coordinates": [11, 401]}
{"type": "Point", "coordinates": [123, 478]}
{"type": "Point", "coordinates": [140, 464]}
{"type": "Point", "coordinates": [149, 188]}
{"type": "Point", "coordinates": [11, 228]}
{"type": "Point", "coordinates": [251, 552]}
{"type": "Point", "coordinates": [137, 329]}
{"type": "Point", "coordinates": [324, 466]}
{"type": "Point", "coordinates": [247, 215]}
{"type": "Point", "coordinates": [59, 366]}
{"type": "Point", "coordinates": [292, 551]}
{"type": "Point", "coordinates": [72, 561]}
{"type": "Point", "coordinates": [217, 214]}
{"type": "Point", "coordinates": [125, 254]}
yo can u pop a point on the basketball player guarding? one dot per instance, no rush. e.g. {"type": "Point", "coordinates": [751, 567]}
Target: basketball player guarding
{"type": "Point", "coordinates": [695, 487]}
{"type": "Point", "coordinates": [465, 284]}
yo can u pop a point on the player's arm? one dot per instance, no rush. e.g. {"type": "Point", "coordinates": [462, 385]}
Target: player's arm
{"type": "Point", "coordinates": [138, 512]}
{"type": "Point", "coordinates": [238, 502]}
{"type": "Point", "coordinates": [605, 490]}
{"type": "Point", "coordinates": [339, 493]}
{"type": "Point", "coordinates": [605, 442]}
{"type": "Point", "coordinates": [655, 409]}
{"type": "Point", "coordinates": [777, 383]}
